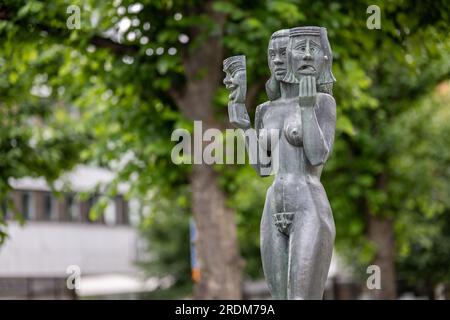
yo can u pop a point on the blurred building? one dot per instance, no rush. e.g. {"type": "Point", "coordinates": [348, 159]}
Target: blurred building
{"type": "Point", "coordinates": [60, 245]}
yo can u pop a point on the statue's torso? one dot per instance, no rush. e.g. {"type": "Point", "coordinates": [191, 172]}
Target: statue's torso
{"type": "Point", "coordinates": [294, 172]}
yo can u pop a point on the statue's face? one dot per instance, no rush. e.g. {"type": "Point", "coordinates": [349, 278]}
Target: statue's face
{"type": "Point", "coordinates": [235, 82]}
{"type": "Point", "coordinates": [307, 56]}
{"type": "Point", "coordinates": [278, 57]}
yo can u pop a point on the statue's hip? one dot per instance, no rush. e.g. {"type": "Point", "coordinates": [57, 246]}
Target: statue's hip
{"type": "Point", "coordinates": [294, 196]}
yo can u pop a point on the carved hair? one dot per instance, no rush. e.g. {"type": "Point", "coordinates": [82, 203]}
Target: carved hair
{"type": "Point", "coordinates": [234, 63]}
{"type": "Point", "coordinates": [273, 85]}
{"type": "Point", "coordinates": [326, 79]}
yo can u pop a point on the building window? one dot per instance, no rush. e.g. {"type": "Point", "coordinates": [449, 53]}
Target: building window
{"type": "Point", "coordinates": [49, 207]}
{"type": "Point", "coordinates": [90, 204]}
{"type": "Point", "coordinates": [72, 209]}
{"type": "Point", "coordinates": [27, 206]}
{"type": "Point", "coordinates": [134, 212]}
{"type": "Point", "coordinates": [121, 210]}
{"type": "Point", "coordinates": [110, 214]}
{"type": "Point", "coordinates": [5, 212]}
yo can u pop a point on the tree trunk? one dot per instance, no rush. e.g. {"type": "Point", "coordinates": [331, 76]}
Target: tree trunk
{"type": "Point", "coordinates": [381, 234]}
{"type": "Point", "coordinates": [217, 247]}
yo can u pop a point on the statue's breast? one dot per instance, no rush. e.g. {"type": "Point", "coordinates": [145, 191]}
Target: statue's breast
{"type": "Point", "coordinates": [285, 116]}
{"type": "Point", "coordinates": [293, 129]}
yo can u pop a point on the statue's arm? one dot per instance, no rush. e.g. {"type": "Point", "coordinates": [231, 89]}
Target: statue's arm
{"type": "Point", "coordinates": [258, 154]}
{"type": "Point", "coordinates": [319, 124]}
{"type": "Point", "coordinates": [236, 82]}
{"type": "Point", "coordinates": [237, 113]}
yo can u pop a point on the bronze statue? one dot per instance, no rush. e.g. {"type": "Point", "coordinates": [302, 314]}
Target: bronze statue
{"type": "Point", "coordinates": [297, 226]}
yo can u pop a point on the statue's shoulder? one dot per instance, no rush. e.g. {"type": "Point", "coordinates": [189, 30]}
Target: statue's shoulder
{"type": "Point", "coordinates": [262, 107]}
{"type": "Point", "coordinates": [259, 114]}
{"type": "Point", "coordinates": [327, 105]}
{"type": "Point", "coordinates": [326, 98]}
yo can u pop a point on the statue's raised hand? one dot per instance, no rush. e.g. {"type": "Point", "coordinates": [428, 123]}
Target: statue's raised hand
{"type": "Point", "coordinates": [307, 95]}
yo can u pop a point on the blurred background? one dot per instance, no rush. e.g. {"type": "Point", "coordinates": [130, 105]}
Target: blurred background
{"type": "Point", "coordinates": [93, 207]}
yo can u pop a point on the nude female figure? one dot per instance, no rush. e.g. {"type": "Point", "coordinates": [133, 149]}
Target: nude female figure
{"type": "Point", "coordinates": [297, 226]}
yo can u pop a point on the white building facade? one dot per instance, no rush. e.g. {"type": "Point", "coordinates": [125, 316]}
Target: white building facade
{"type": "Point", "coordinates": [60, 242]}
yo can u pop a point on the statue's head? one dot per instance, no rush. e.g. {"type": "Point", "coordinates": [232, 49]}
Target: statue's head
{"type": "Point", "coordinates": [309, 54]}
{"type": "Point", "coordinates": [235, 79]}
{"type": "Point", "coordinates": [277, 59]}
{"type": "Point", "coordinates": [276, 53]}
